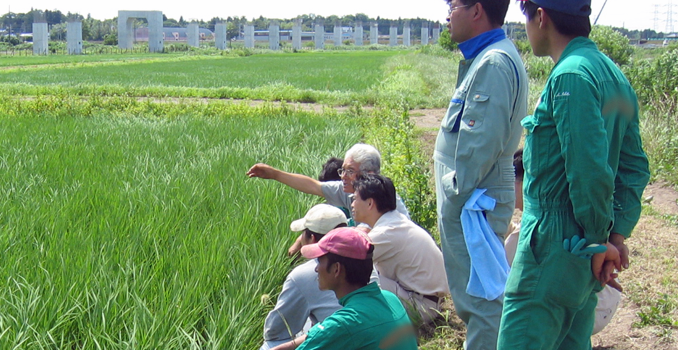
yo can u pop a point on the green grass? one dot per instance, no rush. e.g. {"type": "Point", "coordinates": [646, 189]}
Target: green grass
{"type": "Point", "coordinates": [132, 225]}
{"type": "Point", "coordinates": [19, 61]}
{"type": "Point", "coordinates": [338, 71]}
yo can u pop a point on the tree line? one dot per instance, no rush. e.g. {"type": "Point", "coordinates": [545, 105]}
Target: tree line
{"type": "Point", "coordinates": [13, 24]}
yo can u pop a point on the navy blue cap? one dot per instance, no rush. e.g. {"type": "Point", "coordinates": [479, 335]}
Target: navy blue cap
{"type": "Point", "coordinates": [570, 7]}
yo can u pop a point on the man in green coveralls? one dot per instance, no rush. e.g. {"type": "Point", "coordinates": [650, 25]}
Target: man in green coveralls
{"type": "Point", "coordinates": [585, 171]}
{"type": "Point", "coordinates": [371, 318]}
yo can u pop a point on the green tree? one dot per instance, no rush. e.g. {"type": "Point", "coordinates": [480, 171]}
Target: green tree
{"type": "Point", "coordinates": [612, 43]}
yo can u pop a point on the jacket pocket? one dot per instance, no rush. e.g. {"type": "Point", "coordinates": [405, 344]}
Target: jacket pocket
{"type": "Point", "coordinates": [454, 113]}
{"type": "Point", "coordinates": [475, 110]}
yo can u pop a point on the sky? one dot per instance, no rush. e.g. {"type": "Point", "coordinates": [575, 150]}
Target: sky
{"type": "Point", "coordinates": [630, 14]}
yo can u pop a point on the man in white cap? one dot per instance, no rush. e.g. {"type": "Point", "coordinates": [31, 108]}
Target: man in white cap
{"type": "Point", "coordinates": [301, 298]}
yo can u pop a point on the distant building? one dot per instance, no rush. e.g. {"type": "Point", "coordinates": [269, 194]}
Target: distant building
{"type": "Point", "coordinates": [173, 34]}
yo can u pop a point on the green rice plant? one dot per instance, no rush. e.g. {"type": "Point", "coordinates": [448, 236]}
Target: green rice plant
{"type": "Point", "coordinates": [130, 224]}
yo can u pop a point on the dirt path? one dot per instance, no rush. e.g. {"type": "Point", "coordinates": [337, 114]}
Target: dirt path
{"type": "Point", "coordinates": [652, 274]}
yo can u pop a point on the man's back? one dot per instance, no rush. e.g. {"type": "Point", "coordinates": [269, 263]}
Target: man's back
{"type": "Point", "coordinates": [406, 253]}
{"type": "Point", "coordinates": [370, 319]}
{"type": "Point", "coordinates": [589, 106]}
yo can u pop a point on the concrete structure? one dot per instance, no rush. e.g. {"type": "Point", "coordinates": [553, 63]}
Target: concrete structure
{"type": "Point", "coordinates": [436, 33]}
{"type": "Point", "coordinates": [220, 39]}
{"type": "Point", "coordinates": [193, 36]}
{"type": "Point", "coordinates": [274, 35]}
{"type": "Point", "coordinates": [393, 35]}
{"type": "Point", "coordinates": [126, 30]}
{"type": "Point", "coordinates": [358, 33]}
{"type": "Point", "coordinates": [319, 36]}
{"type": "Point", "coordinates": [74, 37]}
{"type": "Point", "coordinates": [40, 39]}
{"type": "Point", "coordinates": [424, 34]}
{"type": "Point", "coordinates": [337, 33]}
{"type": "Point", "coordinates": [296, 34]}
{"type": "Point", "coordinates": [406, 34]}
{"type": "Point", "coordinates": [249, 36]}
{"type": "Point", "coordinates": [374, 33]}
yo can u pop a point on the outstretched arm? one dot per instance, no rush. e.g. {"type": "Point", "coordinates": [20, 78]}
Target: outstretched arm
{"type": "Point", "coordinates": [299, 182]}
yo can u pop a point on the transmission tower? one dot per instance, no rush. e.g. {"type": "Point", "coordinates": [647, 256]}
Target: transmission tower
{"type": "Point", "coordinates": [669, 17]}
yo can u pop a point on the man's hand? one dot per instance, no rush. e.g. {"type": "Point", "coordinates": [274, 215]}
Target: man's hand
{"type": "Point", "coordinates": [618, 241]}
{"type": "Point", "coordinates": [603, 265]}
{"type": "Point", "coordinates": [291, 345]}
{"type": "Point", "coordinates": [295, 247]}
{"type": "Point", "coordinates": [263, 171]}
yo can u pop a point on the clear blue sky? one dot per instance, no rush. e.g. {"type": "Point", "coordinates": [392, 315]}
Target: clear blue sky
{"type": "Point", "coordinates": [619, 13]}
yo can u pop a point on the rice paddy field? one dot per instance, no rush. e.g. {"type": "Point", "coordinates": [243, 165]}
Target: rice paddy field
{"type": "Point", "coordinates": [127, 223]}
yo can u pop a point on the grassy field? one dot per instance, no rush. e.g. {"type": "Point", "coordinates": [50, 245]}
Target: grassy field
{"type": "Point", "coordinates": [337, 78]}
{"type": "Point", "coordinates": [130, 224]}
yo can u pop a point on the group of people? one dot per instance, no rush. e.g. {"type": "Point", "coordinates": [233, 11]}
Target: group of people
{"type": "Point", "coordinates": [584, 174]}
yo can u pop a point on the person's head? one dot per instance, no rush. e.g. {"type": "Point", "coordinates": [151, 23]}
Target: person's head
{"type": "Point", "coordinates": [469, 18]}
{"type": "Point", "coordinates": [374, 195]}
{"type": "Point", "coordinates": [360, 159]}
{"type": "Point", "coordinates": [567, 18]}
{"type": "Point", "coordinates": [520, 173]}
{"type": "Point", "coordinates": [319, 220]}
{"type": "Point", "coordinates": [330, 170]}
{"type": "Point", "coordinates": [344, 258]}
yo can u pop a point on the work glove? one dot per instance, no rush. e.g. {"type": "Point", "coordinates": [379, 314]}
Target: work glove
{"type": "Point", "coordinates": [575, 244]}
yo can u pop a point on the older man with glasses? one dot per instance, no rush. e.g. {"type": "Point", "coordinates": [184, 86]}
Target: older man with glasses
{"type": "Point", "coordinates": [359, 159]}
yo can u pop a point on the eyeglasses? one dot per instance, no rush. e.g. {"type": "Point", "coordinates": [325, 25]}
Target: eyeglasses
{"type": "Point", "coordinates": [449, 12]}
{"type": "Point", "coordinates": [348, 172]}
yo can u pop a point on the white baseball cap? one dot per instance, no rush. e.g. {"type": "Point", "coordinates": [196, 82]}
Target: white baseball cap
{"type": "Point", "coordinates": [322, 218]}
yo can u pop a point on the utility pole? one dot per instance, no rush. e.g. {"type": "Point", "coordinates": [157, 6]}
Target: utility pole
{"type": "Point", "coordinates": [601, 11]}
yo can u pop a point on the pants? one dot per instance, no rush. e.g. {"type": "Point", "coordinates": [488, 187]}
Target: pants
{"type": "Point", "coordinates": [421, 310]}
{"type": "Point", "coordinates": [550, 296]}
{"type": "Point", "coordinates": [481, 316]}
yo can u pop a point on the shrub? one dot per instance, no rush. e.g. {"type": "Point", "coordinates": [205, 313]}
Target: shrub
{"type": "Point", "coordinates": [111, 39]}
{"type": "Point", "coordinates": [446, 41]}
{"type": "Point", "coordinates": [523, 46]}
{"type": "Point", "coordinates": [392, 132]}
{"type": "Point", "coordinates": [612, 43]}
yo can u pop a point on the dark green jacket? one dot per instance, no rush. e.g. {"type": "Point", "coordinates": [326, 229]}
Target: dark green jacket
{"type": "Point", "coordinates": [370, 319]}
{"type": "Point", "coordinates": [583, 149]}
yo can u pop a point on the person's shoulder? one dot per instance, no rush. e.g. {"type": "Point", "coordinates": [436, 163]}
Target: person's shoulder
{"type": "Point", "coordinates": [303, 273]}
{"type": "Point", "coordinates": [332, 185]}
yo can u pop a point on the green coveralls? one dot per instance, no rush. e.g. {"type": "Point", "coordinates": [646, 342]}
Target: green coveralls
{"type": "Point", "coordinates": [474, 149]}
{"type": "Point", "coordinates": [585, 171]}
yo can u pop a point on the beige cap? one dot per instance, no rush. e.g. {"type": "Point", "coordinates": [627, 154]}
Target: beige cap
{"type": "Point", "coordinates": [322, 218]}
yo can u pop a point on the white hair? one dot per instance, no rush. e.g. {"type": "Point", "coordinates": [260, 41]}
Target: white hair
{"type": "Point", "coordinates": [367, 156]}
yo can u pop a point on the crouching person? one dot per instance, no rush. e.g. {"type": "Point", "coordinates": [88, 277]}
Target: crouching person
{"type": "Point", "coordinates": [370, 318]}
{"type": "Point", "coordinates": [300, 298]}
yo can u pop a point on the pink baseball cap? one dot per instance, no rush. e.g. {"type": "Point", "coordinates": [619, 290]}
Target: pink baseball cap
{"type": "Point", "coordinates": [344, 241]}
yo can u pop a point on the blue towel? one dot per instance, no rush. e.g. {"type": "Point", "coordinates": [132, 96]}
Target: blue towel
{"type": "Point", "coordinates": [489, 267]}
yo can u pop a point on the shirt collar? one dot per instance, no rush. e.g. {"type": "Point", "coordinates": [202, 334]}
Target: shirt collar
{"type": "Point", "coordinates": [369, 289]}
{"type": "Point", "coordinates": [574, 44]}
{"type": "Point", "coordinates": [472, 47]}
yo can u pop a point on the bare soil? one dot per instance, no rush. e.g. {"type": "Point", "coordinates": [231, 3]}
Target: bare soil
{"type": "Point", "coordinates": [653, 271]}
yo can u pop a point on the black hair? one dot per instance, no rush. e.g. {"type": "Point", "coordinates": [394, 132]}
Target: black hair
{"type": "Point", "coordinates": [518, 164]}
{"type": "Point", "coordinates": [566, 24]}
{"type": "Point", "coordinates": [378, 187]}
{"type": "Point", "coordinates": [330, 170]}
{"type": "Point", "coordinates": [358, 271]}
{"type": "Point", "coordinates": [495, 9]}
{"type": "Point", "coordinates": [308, 233]}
